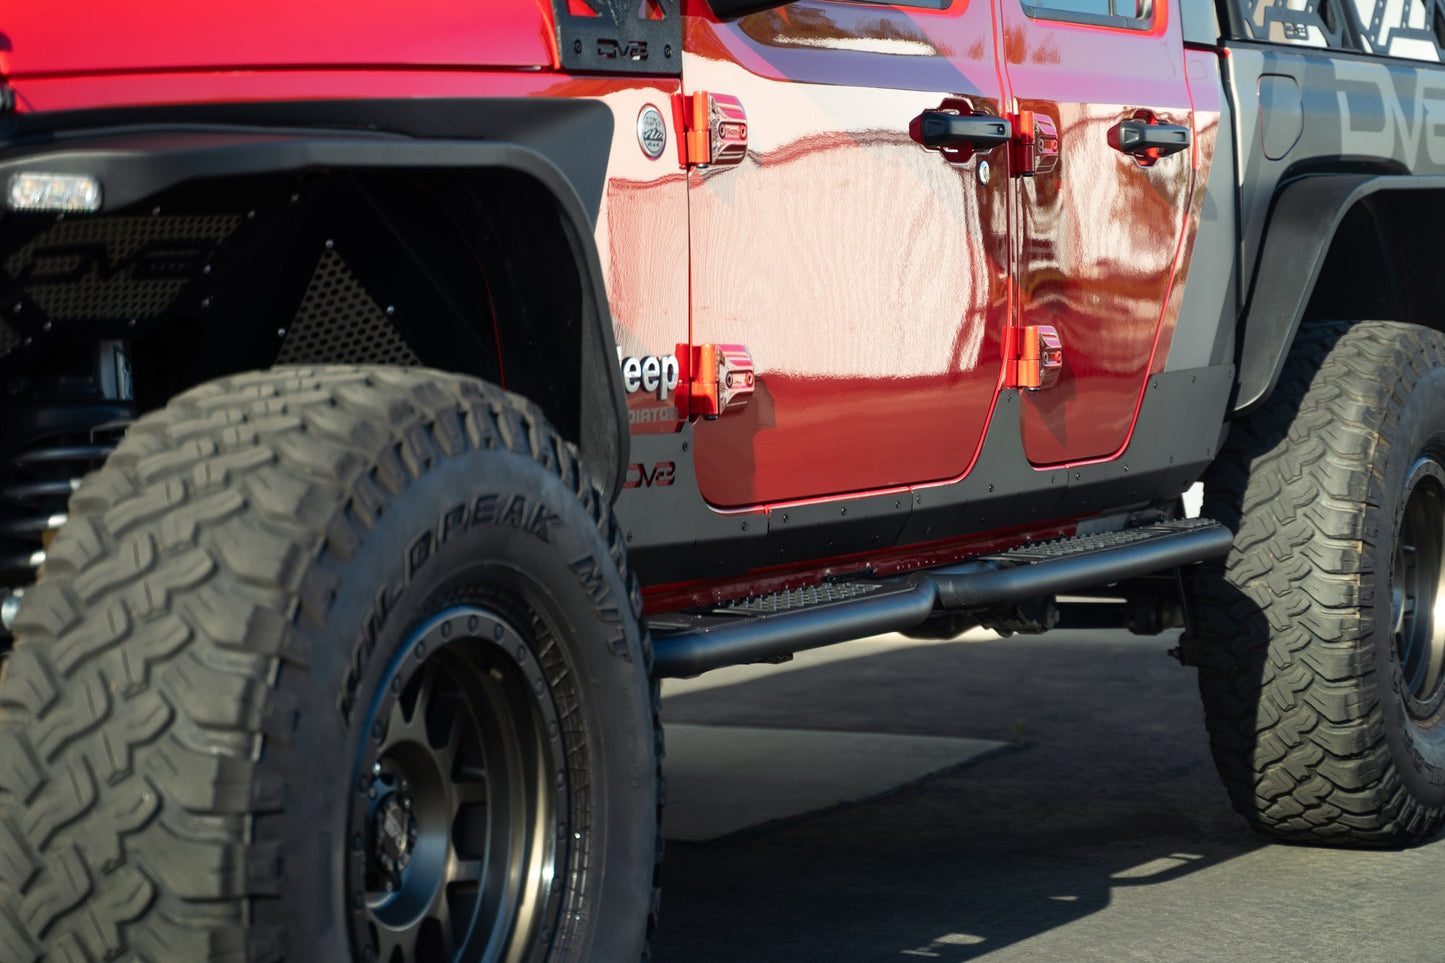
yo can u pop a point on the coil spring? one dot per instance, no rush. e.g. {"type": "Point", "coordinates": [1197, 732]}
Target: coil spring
{"type": "Point", "coordinates": [33, 499]}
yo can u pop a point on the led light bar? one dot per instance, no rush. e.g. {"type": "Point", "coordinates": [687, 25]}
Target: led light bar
{"type": "Point", "coordinates": [42, 191]}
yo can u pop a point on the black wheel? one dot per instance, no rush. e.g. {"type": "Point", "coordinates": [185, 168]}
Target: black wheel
{"type": "Point", "coordinates": [1322, 658]}
{"type": "Point", "coordinates": [332, 664]}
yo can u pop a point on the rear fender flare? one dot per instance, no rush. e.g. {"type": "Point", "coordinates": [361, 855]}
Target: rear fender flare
{"type": "Point", "coordinates": [1304, 221]}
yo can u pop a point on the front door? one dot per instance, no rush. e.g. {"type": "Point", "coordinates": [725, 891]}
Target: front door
{"type": "Point", "coordinates": [1100, 223]}
{"type": "Point", "coordinates": [866, 273]}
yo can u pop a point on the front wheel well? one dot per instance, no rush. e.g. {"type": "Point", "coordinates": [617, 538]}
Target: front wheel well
{"type": "Point", "coordinates": [474, 271]}
{"type": "Point", "coordinates": [481, 271]}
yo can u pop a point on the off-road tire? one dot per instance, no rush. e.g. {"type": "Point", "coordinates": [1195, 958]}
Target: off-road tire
{"type": "Point", "coordinates": [1303, 689]}
{"type": "Point", "coordinates": [200, 677]}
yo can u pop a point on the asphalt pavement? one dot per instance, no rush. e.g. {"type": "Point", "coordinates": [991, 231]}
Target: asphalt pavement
{"type": "Point", "coordinates": [1060, 805]}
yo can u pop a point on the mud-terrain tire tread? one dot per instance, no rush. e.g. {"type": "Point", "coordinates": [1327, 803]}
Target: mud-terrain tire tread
{"type": "Point", "coordinates": [1292, 700]}
{"type": "Point", "coordinates": [127, 785]}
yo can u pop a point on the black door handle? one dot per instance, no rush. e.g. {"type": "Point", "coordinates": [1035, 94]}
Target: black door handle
{"type": "Point", "coordinates": [1139, 137]}
{"type": "Point", "coordinates": [942, 129]}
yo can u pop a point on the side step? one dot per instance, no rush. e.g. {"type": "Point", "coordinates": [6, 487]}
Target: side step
{"type": "Point", "coordinates": [766, 628]}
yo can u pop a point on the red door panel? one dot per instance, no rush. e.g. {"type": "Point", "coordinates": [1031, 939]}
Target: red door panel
{"type": "Point", "coordinates": [1099, 235]}
{"type": "Point", "coordinates": [866, 274]}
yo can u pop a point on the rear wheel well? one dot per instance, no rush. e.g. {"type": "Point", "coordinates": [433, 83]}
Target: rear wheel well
{"type": "Point", "coordinates": [1380, 265]}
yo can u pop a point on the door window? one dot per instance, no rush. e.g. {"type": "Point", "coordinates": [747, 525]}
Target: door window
{"type": "Point", "coordinates": [1133, 14]}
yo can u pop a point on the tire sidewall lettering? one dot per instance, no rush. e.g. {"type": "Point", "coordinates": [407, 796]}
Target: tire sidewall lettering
{"type": "Point", "coordinates": [523, 511]}
{"type": "Point", "coordinates": [593, 579]}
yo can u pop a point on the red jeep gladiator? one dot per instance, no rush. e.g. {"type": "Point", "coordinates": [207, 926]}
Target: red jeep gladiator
{"type": "Point", "coordinates": [391, 393]}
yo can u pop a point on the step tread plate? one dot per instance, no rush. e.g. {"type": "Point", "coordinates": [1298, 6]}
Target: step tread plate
{"type": "Point", "coordinates": [777, 603]}
{"type": "Point", "coordinates": [1100, 541]}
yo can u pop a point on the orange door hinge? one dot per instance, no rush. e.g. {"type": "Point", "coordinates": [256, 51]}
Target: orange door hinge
{"type": "Point", "coordinates": [1035, 146]}
{"type": "Point", "coordinates": [716, 378]}
{"type": "Point", "coordinates": [715, 130]}
{"type": "Point", "coordinates": [1033, 357]}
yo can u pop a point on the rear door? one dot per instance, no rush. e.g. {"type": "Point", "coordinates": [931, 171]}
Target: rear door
{"type": "Point", "coordinates": [865, 273]}
{"type": "Point", "coordinates": [1099, 228]}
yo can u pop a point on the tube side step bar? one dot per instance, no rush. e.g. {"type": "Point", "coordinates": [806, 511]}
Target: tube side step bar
{"type": "Point", "coordinates": [769, 627]}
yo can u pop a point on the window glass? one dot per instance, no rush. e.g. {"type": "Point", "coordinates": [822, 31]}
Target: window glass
{"type": "Point", "coordinates": [1103, 8]}
{"type": "Point", "coordinates": [1113, 13]}
{"type": "Point", "coordinates": [925, 4]}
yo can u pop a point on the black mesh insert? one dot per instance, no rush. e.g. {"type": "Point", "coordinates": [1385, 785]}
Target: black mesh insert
{"type": "Point", "coordinates": [112, 268]}
{"type": "Point", "coordinates": [339, 322]}
{"type": "Point", "coordinates": [9, 338]}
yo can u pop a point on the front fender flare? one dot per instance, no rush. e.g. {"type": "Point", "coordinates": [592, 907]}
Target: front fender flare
{"type": "Point", "coordinates": [137, 162]}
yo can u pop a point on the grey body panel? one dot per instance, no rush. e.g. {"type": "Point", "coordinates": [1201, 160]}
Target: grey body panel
{"type": "Point", "coordinates": [1356, 117]}
{"type": "Point", "coordinates": [1356, 113]}
{"type": "Point", "coordinates": [1204, 332]}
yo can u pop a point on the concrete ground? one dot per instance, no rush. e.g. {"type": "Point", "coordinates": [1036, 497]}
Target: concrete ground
{"type": "Point", "coordinates": [1079, 819]}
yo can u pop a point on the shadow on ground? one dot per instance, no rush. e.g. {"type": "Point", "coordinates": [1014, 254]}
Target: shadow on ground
{"type": "Point", "coordinates": [1112, 791]}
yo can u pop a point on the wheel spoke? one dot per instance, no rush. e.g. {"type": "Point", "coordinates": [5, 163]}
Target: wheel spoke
{"type": "Point", "coordinates": [449, 941]}
{"type": "Point", "coordinates": [446, 753]}
{"type": "Point", "coordinates": [468, 794]}
{"type": "Point", "coordinates": [388, 941]}
{"type": "Point", "coordinates": [404, 727]}
{"type": "Point", "coordinates": [440, 912]}
{"type": "Point", "coordinates": [443, 916]}
{"type": "Point", "coordinates": [424, 696]}
{"type": "Point", "coordinates": [465, 870]}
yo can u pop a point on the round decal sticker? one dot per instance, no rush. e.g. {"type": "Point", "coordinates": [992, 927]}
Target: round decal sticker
{"type": "Point", "coordinates": [652, 132]}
